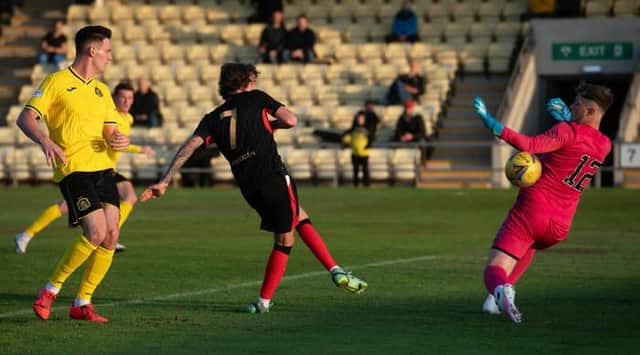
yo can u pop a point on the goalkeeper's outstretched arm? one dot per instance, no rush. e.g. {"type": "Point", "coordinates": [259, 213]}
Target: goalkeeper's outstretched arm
{"type": "Point", "coordinates": [551, 140]}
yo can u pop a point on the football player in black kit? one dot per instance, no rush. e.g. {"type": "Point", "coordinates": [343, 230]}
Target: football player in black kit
{"type": "Point", "coordinates": [244, 134]}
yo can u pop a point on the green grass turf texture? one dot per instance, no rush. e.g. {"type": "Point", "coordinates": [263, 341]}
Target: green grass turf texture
{"type": "Point", "coordinates": [580, 297]}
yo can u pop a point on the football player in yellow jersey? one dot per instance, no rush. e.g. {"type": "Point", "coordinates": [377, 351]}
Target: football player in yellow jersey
{"type": "Point", "coordinates": [123, 96]}
{"type": "Point", "coordinates": [82, 121]}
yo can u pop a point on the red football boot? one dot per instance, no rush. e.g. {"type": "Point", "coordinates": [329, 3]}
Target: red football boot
{"type": "Point", "coordinates": [86, 312]}
{"type": "Point", "coordinates": [42, 305]}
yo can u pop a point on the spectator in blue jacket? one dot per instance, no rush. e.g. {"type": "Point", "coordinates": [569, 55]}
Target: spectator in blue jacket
{"type": "Point", "coordinates": [405, 25]}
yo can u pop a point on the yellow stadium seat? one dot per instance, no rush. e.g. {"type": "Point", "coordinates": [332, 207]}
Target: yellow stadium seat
{"type": "Point", "coordinates": [197, 54]}
{"type": "Point", "coordinates": [162, 74]}
{"type": "Point", "coordinates": [186, 73]}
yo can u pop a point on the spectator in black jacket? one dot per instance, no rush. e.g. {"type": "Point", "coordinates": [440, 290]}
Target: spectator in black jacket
{"type": "Point", "coordinates": [371, 121]}
{"type": "Point", "coordinates": [300, 41]}
{"type": "Point", "coordinates": [146, 106]}
{"type": "Point", "coordinates": [272, 40]}
{"type": "Point", "coordinates": [410, 126]}
{"type": "Point", "coordinates": [406, 87]}
{"type": "Point", "coordinates": [54, 46]}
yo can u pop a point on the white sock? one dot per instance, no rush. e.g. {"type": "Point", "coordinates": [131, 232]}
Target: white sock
{"type": "Point", "coordinates": [336, 269]}
{"type": "Point", "coordinates": [79, 302]}
{"type": "Point", "coordinates": [264, 301]}
{"type": "Point", "coordinates": [52, 288]}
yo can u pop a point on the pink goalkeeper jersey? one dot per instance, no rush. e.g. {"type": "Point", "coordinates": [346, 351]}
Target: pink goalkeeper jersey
{"type": "Point", "coordinates": [574, 153]}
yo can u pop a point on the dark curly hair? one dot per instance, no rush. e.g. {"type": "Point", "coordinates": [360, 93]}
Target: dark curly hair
{"type": "Point", "coordinates": [235, 76]}
{"type": "Point", "coordinates": [599, 94]}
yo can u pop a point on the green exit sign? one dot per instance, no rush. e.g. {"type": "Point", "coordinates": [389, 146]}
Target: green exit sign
{"type": "Point", "coordinates": [592, 51]}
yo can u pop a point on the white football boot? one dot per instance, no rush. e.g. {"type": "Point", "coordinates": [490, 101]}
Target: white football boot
{"type": "Point", "coordinates": [120, 247]}
{"type": "Point", "coordinates": [22, 240]}
{"type": "Point", "coordinates": [490, 306]}
{"type": "Point", "coordinates": [506, 299]}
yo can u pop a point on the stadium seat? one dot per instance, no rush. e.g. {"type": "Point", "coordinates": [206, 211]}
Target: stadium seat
{"type": "Point", "coordinates": [170, 15]}
{"type": "Point", "coordinates": [625, 8]}
{"type": "Point", "coordinates": [298, 163]}
{"type": "Point", "coordinates": [217, 15]}
{"type": "Point", "coordinates": [385, 74]}
{"type": "Point", "coordinates": [513, 10]}
{"type": "Point", "coordinates": [370, 53]}
{"type": "Point", "coordinates": [489, 12]}
{"type": "Point", "coordinates": [123, 166]}
{"type": "Point", "coordinates": [301, 96]}
{"type": "Point", "coordinates": [7, 136]}
{"type": "Point", "coordinates": [172, 54]}
{"type": "Point", "coordinates": [481, 33]}
{"type": "Point", "coordinates": [38, 167]}
{"type": "Point", "coordinates": [507, 31]}
{"type": "Point", "coordinates": [252, 34]}
{"type": "Point", "coordinates": [100, 15]}
{"type": "Point", "coordinates": [317, 116]}
{"type": "Point", "coordinates": [342, 116]}
{"type": "Point", "coordinates": [312, 75]}
{"type": "Point", "coordinates": [499, 55]}
{"type": "Point", "coordinates": [472, 57]}
{"type": "Point", "coordinates": [284, 136]}
{"type": "Point", "coordinates": [144, 13]}
{"type": "Point", "coordinates": [404, 163]}
{"type": "Point", "coordinates": [77, 14]}
{"type": "Point", "coordinates": [379, 164]}
{"type": "Point", "coordinates": [221, 54]}
{"type": "Point", "coordinates": [360, 74]}
{"type": "Point", "coordinates": [197, 55]}
{"type": "Point", "coordinates": [193, 14]}
{"type": "Point", "coordinates": [186, 74]}
{"type": "Point", "coordinates": [162, 75]}
{"type": "Point", "coordinates": [324, 166]}
{"type": "Point", "coordinates": [431, 32]}
{"type": "Point", "coordinates": [145, 168]}
{"type": "Point", "coordinates": [13, 113]}
{"type": "Point", "coordinates": [173, 94]}
{"type": "Point", "coordinates": [26, 91]}
{"type": "Point", "coordinates": [134, 34]}
{"type": "Point", "coordinates": [233, 35]}
{"type": "Point", "coordinates": [221, 170]}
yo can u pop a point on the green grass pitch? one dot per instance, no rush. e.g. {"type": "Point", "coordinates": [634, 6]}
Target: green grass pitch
{"type": "Point", "coordinates": [196, 256]}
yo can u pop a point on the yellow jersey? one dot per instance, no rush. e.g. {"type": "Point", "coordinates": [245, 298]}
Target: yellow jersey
{"type": "Point", "coordinates": [359, 141]}
{"type": "Point", "coordinates": [124, 122]}
{"type": "Point", "coordinates": [76, 111]}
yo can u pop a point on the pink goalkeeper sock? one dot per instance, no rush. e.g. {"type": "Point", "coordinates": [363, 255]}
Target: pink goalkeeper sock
{"type": "Point", "coordinates": [494, 276]}
{"type": "Point", "coordinates": [521, 266]}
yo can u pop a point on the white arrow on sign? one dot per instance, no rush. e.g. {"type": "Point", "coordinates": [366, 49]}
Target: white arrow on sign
{"type": "Point", "coordinates": [566, 50]}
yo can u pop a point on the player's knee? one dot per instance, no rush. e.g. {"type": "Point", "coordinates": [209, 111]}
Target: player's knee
{"type": "Point", "coordinates": [132, 199]}
{"type": "Point", "coordinates": [284, 239]}
{"type": "Point", "coordinates": [111, 238]}
{"type": "Point", "coordinates": [63, 207]}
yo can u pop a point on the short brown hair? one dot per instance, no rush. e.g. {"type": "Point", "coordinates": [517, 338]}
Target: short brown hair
{"type": "Point", "coordinates": [91, 34]}
{"type": "Point", "coordinates": [235, 76]}
{"type": "Point", "coordinates": [124, 85]}
{"type": "Point", "coordinates": [599, 94]}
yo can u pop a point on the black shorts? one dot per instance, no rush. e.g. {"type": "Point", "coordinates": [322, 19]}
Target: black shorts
{"type": "Point", "coordinates": [276, 201]}
{"type": "Point", "coordinates": [118, 178]}
{"type": "Point", "coordinates": [86, 192]}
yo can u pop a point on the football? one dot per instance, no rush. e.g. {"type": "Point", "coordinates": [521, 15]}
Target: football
{"type": "Point", "coordinates": [523, 169]}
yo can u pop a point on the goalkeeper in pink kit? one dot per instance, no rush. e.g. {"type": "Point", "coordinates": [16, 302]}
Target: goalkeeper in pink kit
{"type": "Point", "coordinates": [571, 151]}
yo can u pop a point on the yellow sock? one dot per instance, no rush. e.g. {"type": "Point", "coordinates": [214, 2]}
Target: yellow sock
{"type": "Point", "coordinates": [47, 216]}
{"type": "Point", "coordinates": [75, 255]}
{"type": "Point", "coordinates": [97, 267]}
{"type": "Point", "coordinates": [125, 211]}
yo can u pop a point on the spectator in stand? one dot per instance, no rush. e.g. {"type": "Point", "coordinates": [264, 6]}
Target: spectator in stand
{"type": "Point", "coordinates": [410, 126]}
{"type": "Point", "coordinates": [405, 25]}
{"type": "Point", "coordinates": [371, 121]}
{"type": "Point", "coordinates": [146, 106]}
{"type": "Point", "coordinates": [54, 46]}
{"type": "Point", "coordinates": [406, 87]}
{"type": "Point", "coordinates": [300, 41]}
{"type": "Point", "coordinates": [264, 9]}
{"type": "Point", "coordinates": [272, 40]}
{"type": "Point", "coordinates": [357, 139]}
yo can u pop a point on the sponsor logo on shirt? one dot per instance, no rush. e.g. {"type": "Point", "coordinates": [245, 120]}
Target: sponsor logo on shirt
{"type": "Point", "coordinates": [98, 92]}
{"type": "Point", "coordinates": [37, 93]}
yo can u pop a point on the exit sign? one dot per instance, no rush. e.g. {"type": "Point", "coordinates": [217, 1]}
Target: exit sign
{"type": "Point", "coordinates": [592, 51]}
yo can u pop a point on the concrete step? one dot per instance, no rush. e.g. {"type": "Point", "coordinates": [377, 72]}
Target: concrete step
{"type": "Point", "coordinates": [462, 123]}
{"type": "Point", "coordinates": [453, 164]}
{"type": "Point", "coordinates": [453, 184]}
{"type": "Point", "coordinates": [463, 174]}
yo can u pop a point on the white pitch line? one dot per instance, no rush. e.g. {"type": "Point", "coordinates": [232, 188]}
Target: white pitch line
{"type": "Point", "coordinates": [230, 287]}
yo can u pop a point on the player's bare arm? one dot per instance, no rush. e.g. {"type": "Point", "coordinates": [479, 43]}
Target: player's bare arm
{"type": "Point", "coordinates": [115, 139]}
{"type": "Point", "coordinates": [27, 121]}
{"type": "Point", "coordinates": [284, 119]}
{"type": "Point", "coordinates": [184, 153]}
